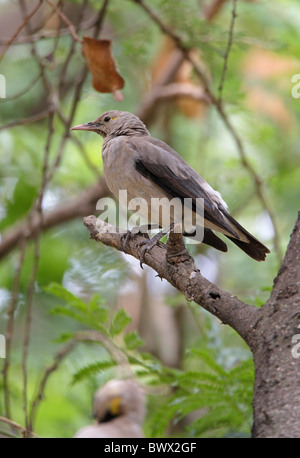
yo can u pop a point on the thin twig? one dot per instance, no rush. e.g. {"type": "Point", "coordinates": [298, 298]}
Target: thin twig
{"type": "Point", "coordinates": [30, 120]}
{"type": "Point", "coordinates": [169, 91]}
{"type": "Point", "coordinates": [212, 9]}
{"type": "Point", "coordinates": [25, 22]}
{"type": "Point", "coordinates": [10, 324]}
{"type": "Point", "coordinates": [229, 44]}
{"type": "Point", "coordinates": [259, 187]}
{"type": "Point", "coordinates": [48, 34]}
{"type": "Point", "coordinates": [15, 425]}
{"type": "Point", "coordinates": [64, 18]}
{"type": "Point", "coordinates": [23, 91]}
{"type": "Point", "coordinates": [42, 386]}
{"type": "Point", "coordinates": [76, 98]}
{"type": "Point", "coordinates": [8, 434]}
{"type": "Point", "coordinates": [31, 286]}
{"type": "Point", "coordinates": [80, 336]}
{"type": "Point", "coordinates": [35, 53]}
{"type": "Point", "coordinates": [57, 37]}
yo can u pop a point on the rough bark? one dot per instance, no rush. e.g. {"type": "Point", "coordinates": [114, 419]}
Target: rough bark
{"type": "Point", "coordinates": [277, 383]}
{"type": "Point", "coordinates": [174, 263]}
{"type": "Point", "coordinates": [268, 331]}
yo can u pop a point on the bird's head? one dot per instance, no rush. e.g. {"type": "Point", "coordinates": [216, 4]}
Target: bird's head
{"type": "Point", "coordinates": [115, 123]}
{"type": "Point", "coordinates": [117, 398]}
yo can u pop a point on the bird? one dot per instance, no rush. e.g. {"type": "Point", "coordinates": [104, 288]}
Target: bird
{"type": "Point", "coordinates": [119, 408]}
{"type": "Point", "coordinates": [148, 168]}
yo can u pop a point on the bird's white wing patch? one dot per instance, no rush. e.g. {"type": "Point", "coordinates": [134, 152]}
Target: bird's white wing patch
{"type": "Point", "coordinates": [214, 195]}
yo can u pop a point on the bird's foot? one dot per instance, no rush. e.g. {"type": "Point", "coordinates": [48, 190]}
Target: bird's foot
{"type": "Point", "coordinates": [129, 235]}
{"type": "Point", "coordinates": [149, 244]}
{"type": "Point", "coordinates": [126, 237]}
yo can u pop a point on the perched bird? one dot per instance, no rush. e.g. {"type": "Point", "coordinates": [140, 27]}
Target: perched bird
{"type": "Point", "coordinates": [149, 168]}
{"type": "Point", "coordinates": [119, 407]}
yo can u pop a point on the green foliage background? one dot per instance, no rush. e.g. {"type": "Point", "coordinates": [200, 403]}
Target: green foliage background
{"type": "Point", "coordinates": [77, 282]}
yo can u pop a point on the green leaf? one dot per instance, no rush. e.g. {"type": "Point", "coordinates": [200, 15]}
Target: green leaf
{"type": "Point", "coordinates": [119, 322]}
{"type": "Point", "coordinates": [67, 312]}
{"type": "Point", "coordinates": [209, 361]}
{"type": "Point", "coordinates": [91, 370]}
{"type": "Point", "coordinates": [62, 293]}
{"type": "Point", "coordinates": [132, 340]}
{"type": "Point", "coordinates": [96, 303]}
{"type": "Point", "coordinates": [23, 198]}
{"type": "Point", "coordinates": [65, 337]}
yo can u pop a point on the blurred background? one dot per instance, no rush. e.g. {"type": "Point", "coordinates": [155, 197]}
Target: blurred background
{"type": "Point", "coordinates": [76, 313]}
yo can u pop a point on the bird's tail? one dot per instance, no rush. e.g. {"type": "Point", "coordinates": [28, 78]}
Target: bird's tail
{"type": "Point", "coordinates": [208, 237]}
{"type": "Point", "coordinates": [252, 247]}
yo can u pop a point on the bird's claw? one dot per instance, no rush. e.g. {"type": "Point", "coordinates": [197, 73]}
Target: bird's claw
{"type": "Point", "coordinates": [129, 235]}
{"type": "Point", "coordinates": [146, 247]}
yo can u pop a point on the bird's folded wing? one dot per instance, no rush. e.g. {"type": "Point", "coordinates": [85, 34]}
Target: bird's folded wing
{"type": "Point", "coordinates": [161, 164]}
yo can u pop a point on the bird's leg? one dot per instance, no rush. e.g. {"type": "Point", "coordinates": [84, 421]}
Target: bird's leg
{"type": "Point", "coordinates": [126, 237]}
{"type": "Point", "coordinates": [129, 236]}
{"type": "Point", "coordinates": [143, 229]}
{"type": "Point", "coordinates": [152, 242]}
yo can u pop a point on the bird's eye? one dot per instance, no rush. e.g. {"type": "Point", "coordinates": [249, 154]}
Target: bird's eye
{"type": "Point", "coordinates": [107, 119]}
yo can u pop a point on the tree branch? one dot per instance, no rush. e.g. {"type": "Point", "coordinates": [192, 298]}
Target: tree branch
{"type": "Point", "coordinates": [147, 107]}
{"type": "Point", "coordinates": [25, 21]}
{"type": "Point", "coordinates": [11, 323]}
{"type": "Point", "coordinates": [169, 91]}
{"type": "Point", "coordinates": [228, 48]}
{"type": "Point", "coordinates": [174, 263]}
{"type": "Point", "coordinates": [30, 120]}
{"type": "Point", "coordinates": [15, 425]}
{"type": "Point", "coordinates": [212, 9]}
{"type": "Point", "coordinates": [79, 207]}
{"type": "Point", "coordinates": [64, 18]}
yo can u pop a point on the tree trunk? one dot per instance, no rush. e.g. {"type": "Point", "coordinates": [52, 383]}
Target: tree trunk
{"type": "Point", "coordinates": [277, 383]}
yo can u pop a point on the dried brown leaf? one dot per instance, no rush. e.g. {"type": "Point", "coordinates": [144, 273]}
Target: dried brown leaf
{"type": "Point", "coordinates": [100, 61]}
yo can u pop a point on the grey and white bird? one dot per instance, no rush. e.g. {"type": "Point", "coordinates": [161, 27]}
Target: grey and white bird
{"type": "Point", "coordinates": [149, 168]}
{"type": "Point", "coordinates": [119, 408]}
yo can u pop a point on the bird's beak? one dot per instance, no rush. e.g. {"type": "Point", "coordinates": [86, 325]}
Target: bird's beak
{"type": "Point", "coordinates": [90, 126]}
